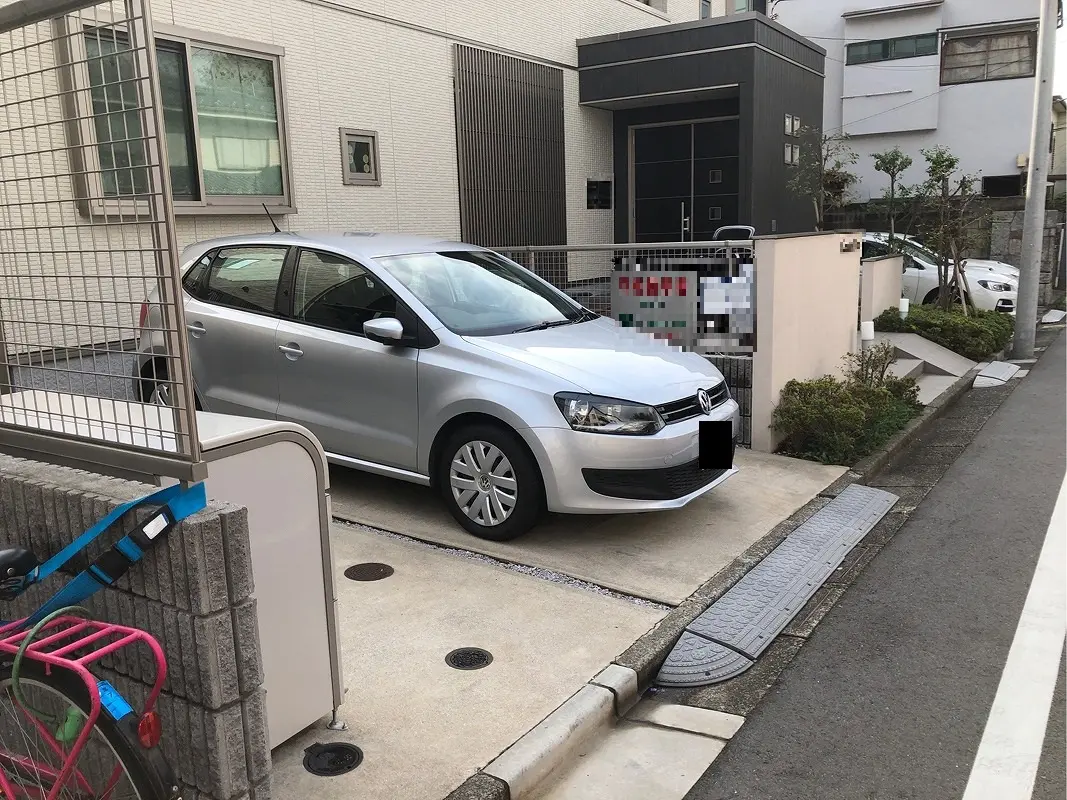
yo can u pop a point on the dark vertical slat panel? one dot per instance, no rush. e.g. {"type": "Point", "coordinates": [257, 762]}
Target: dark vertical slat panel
{"type": "Point", "coordinates": [510, 149]}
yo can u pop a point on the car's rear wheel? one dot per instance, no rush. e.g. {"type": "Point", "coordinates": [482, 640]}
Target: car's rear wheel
{"type": "Point", "coordinates": [490, 482]}
{"type": "Point", "coordinates": [155, 387]}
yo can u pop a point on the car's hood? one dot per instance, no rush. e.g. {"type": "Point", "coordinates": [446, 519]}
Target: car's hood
{"type": "Point", "coordinates": [606, 359]}
{"type": "Point", "coordinates": [988, 265]}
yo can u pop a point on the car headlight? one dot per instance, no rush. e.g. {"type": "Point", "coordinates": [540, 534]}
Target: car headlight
{"type": "Point", "coordinates": [996, 286]}
{"type": "Point", "coordinates": [592, 414]}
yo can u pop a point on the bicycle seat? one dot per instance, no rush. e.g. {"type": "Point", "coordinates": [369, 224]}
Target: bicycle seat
{"type": "Point", "coordinates": [15, 564]}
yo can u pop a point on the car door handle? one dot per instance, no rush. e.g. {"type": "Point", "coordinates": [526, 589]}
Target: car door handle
{"type": "Point", "coordinates": [196, 329]}
{"type": "Point", "coordinates": [292, 351]}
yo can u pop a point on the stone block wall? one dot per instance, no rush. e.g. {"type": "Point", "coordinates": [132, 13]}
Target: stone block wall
{"type": "Point", "coordinates": [193, 591]}
{"type": "Point", "coordinates": [1005, 244]}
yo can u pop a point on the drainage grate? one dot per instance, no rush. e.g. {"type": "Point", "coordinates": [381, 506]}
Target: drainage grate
{"type": "Point", "coordinates": [469, 658]}
{"type": "Point", "coordinates": [368, 572]}
{"type": "Point", "coordinates": [332, 759]}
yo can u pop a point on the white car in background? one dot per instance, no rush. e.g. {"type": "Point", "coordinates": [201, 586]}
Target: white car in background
{"type": "Point", "coordinates": [993, 285]}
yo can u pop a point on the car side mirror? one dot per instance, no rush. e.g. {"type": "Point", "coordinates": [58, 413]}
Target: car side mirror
{"type": "Point", "coordinates": [384, 330]}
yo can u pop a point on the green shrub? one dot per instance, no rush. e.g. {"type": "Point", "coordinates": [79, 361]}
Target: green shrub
{"type": "Point", "coordinates": [977, 335]}
{"type": "Point", "coordinates": [1059, 303]}
{"type": "Point", "coordinates": [841, 421]}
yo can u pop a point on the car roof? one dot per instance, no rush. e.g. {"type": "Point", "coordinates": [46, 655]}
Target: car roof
{"type": "Point", "coordinates": [356, 244]}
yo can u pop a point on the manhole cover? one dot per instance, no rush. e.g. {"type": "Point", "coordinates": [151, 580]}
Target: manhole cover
{"type": "Point", "coordinates": [469, 658]}
{"type": "Point", "coordinates": [335, 758]}
{"type": "Point", "coordinates": [368, 572]}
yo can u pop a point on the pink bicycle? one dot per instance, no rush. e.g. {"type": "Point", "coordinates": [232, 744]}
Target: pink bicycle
{"type": "Point", "coordinates": [65, 733]}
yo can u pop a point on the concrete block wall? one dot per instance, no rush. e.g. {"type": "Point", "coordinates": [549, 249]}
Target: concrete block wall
{"type": "Point", "coordinates": [193, 591]}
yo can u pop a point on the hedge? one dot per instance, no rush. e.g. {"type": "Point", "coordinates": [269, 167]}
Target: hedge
{"type": "Point", "coordinates": [841, 421]}
{"type": "Point", "coordinates": [976, 336]}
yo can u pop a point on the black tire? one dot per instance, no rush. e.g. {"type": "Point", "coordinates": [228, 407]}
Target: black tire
{"type": "Point", "coordinates": [147, 770]}
{"type": "Point", "coordinates": [931, 297]}
{"type": "Point", "coordinates": [151, 373]}
{"type": "Point", "coordinates": [529, 498]}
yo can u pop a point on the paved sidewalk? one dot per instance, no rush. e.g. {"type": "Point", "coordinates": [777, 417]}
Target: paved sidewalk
{"type": "Point", "coordinates": [890, 696]}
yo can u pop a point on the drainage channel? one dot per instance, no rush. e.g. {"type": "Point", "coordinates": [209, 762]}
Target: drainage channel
{"type": "Point", "coordinates": [731, 634]}
{"type": "Point", "coordinates": [523, 569]}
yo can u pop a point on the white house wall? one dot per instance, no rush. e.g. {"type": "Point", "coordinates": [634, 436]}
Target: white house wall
{"type": "Point", "coordinates": [901, 103]}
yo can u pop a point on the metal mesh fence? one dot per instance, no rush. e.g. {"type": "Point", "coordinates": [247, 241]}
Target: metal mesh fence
{"type": "Point", "coordinates": [699, 296]}
{"type": "Point", "coordinates": [86, 237]}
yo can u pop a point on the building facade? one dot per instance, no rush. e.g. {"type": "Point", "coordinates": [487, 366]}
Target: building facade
{"type": "Point", "coordinates": [552, 122]}
{"type": "Point", "coordinates": [918, 73]}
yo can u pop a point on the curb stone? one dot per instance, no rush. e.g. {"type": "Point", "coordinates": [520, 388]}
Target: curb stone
{"type": "Point", "coordinates": [609, 695]}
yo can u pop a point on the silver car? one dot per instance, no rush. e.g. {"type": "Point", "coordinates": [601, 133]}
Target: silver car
{"type": "Point", "coordinates": [447, 365]}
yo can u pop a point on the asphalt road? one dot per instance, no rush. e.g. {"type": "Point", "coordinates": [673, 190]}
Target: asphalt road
{"type": "Point", "coordinates": [889, 698]}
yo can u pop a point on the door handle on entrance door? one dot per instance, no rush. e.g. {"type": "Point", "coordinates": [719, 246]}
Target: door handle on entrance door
{"type": "Point", "coordinates": [196, 329]}
{"type": "Point", "coordinates": [292, 351]}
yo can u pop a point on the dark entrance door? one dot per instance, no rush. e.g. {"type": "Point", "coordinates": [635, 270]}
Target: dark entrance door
{"type": "Point", "coordinates": [685, 180]}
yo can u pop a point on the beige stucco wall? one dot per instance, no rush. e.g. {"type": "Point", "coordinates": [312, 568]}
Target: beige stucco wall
{"type": "Point", "coordinates": [806, 291]}
{"type": "Point", "coordinates": [880, 285]}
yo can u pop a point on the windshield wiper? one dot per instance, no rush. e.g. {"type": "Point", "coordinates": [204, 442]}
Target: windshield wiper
{"type": "Point", "coordinates": [540, 326]}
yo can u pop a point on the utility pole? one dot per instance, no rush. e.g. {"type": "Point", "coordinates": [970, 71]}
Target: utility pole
{"type": "Point", "coordinates": [1036, 181]}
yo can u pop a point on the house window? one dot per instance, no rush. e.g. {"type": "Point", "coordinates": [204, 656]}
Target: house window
{"type": "Point", "coordinates": [1002, 185]}
{"type": "Point", "coordinates": [705, 9]}
{"type": "Point", "coordinates": [741, 6]}
{"type": "Point", "coordinates": [221, 116]}
{"type": "Point", "coordinates": [597, 194]}
{"type": "Point", "coordinates": [359, 158]}
{"type": "Point", "coordinates": [891, 49]}
{"type": "Point", "coordinates": [792, 125]}
{"type": "Point", "coordinates": [792, 154]}
{"type": "Point", "coordinates": [998, 56]}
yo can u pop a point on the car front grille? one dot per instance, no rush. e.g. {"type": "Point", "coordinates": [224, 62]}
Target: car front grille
{"type": "Point", "coordinates": [687, 408]}
{"type": "Point", "coordinates": [669, 483]}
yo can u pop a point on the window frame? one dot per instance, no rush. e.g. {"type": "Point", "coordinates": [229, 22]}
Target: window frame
{"type": "Point", "coordinates": [1030, 33]}
{"type": "Point", "coordinates": [82, 140]}
{"type": "Point", "coordinates": [888, 48]}
{"type": "Point", "coordinates": [349, 178]}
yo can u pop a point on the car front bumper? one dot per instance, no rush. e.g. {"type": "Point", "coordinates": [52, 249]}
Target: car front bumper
{"type": "Point", "coordinates": [632, 473]}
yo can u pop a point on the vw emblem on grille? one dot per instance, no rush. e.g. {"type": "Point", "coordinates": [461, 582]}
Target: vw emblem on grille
{"type": "Point", "coordinates": [704, 401]}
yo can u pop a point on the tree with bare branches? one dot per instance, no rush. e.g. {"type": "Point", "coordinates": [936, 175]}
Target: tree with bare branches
{"type": "Point", "coordinates": [822, 174]}
{"type": "Point", "coordinates": [949, 213]}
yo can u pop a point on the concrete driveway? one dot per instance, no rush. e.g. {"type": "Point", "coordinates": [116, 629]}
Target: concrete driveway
{"type": "Point", "coordinates": [423, 726]}
{"type": "Point", "coordinates": [662, 557]}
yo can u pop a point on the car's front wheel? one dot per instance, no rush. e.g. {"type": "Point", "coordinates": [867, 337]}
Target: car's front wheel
{"type": "Point", "coordinates": [490, 482]}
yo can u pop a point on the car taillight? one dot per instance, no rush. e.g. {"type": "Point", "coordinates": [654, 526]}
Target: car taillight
{"type": "Point", "coordinates": [149, 730]}
{"type": "Point", "coordinates": [144, 315]}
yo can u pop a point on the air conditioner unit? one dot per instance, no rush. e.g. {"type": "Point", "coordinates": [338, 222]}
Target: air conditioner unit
{"type": "Point", "coordinates": [1022, 161]}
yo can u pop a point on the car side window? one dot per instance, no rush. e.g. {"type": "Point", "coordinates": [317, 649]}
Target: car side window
{"type": "Point", "coordinates": [193, 280]}
{"type": "Point", "coordinates": [334, 292]}
{"type": "Point", "coordinates": [245, 278]}
{"type": "Point", "coordinates": [874, 250]}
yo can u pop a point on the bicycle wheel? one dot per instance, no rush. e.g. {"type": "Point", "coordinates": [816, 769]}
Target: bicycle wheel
{"type": "Point", "coordinates": [112, 765]}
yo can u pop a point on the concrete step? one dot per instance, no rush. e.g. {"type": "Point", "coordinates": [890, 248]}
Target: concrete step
{"type": "Point", "coordinates": [939, 360]}
{"type": "Point", "coordinates": [930, 386]}
{"type": "Point", "coordinates": [907, 368]}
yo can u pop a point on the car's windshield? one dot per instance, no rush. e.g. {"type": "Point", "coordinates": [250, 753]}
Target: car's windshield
{"type": "Point", "coordinates": [480, 293]}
